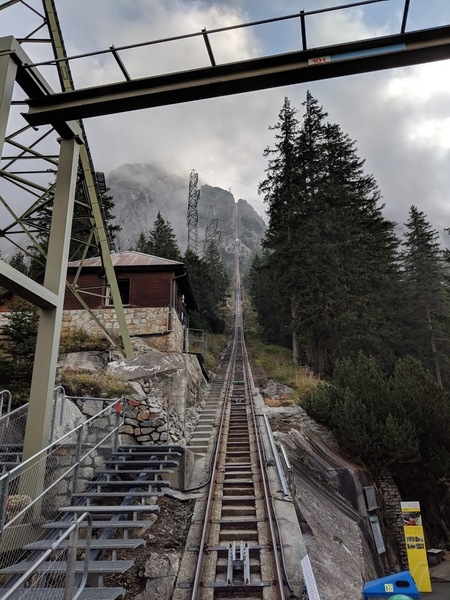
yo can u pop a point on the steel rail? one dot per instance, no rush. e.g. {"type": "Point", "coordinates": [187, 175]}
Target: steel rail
{"type": "Point", "coordinates": [279, 571]}
{"type": "Point", "coordinates": [211, 492]}
{"type": "Point", "coordinates": [239, 369]}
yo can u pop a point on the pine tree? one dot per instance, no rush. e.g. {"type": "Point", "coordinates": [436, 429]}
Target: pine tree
{"type": "Point", "coordinates": [82, 226]}
{"type": "Point", "coordinates": [271, 308]}
{"type": "Point", "coordinates": [281, 190]}
{"type": "Point", "coordinates": [18, 341]}
{"type": "Point", "coordinates": [332, 253]}
{"type": "Point", "coordinates": [18, 262]}
{"type": "Point", "coordinates": [426, 282]}
{"type": "Point", "coordinates": [209, 292]}
{"type": "Point", "coordinates": [142, 244]}
{"type": "Point", "coordinates": [162, 240]}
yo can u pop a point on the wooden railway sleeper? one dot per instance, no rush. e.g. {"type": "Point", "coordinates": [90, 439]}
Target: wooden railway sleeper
{"type": "Point", "coordinates": [238, 560]}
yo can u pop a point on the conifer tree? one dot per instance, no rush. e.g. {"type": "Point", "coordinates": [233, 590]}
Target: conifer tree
{"type": "Point", "coordinates": [18, 262]}
{"type": "Point", "coordinates": [332, 252]}
{"type": "Point", "coordinates": [142, 244]}
{"type": "Point", "coordinates": [18, 341]}
{"type": "Point", "coordinates": [209, 290]}
{"type": "Point", "coordinates": [162, 240]}
{"type": "Point", "coordinates": [426, 282]}
{"type": "Point", "coordinates": [281, 191]}
{"type": "Point", "coordinates": [82, 225]}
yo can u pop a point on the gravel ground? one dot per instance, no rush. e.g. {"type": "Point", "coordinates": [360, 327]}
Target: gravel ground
{"type": "Point", "coordinates": [167, 534]}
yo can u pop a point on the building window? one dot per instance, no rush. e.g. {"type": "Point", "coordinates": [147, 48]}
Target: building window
{"type": "Point", "coordinates": [124, 291]}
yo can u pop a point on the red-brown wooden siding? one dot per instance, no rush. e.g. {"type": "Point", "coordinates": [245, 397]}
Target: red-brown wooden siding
{"type": "Point", "coordinates": [146, 289]}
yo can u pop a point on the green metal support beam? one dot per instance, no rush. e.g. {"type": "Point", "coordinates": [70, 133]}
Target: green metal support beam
{"type": "Point", "coordinates": [67, 85]}
{"type": "Point", "coordinates": [375, 54]}
{"type": "Point", "coordinates": [47, 343]}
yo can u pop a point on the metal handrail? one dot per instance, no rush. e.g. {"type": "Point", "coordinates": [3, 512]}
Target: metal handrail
{"type": "Point", "coordinates": [3, 393]}
{"type": "Point", "coordinates": [70, 579]}
{"type": "Point", "coordinates": [276, 457]}
{"type": "Point", "coordinates": [8, 415]}
{"type": "Point", "coordinates": [57, 442]}
{"type": "Point", "coordinates": [114, 50]}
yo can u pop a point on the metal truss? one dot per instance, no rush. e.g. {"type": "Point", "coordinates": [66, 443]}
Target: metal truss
{"type": "Point", "coordinates": [28, 168]}
{"type": "Point", "coordinates": [212, 233]}
{"type": "Point", "coordinates": [33, 154]}
{"type": "Point", "coordinates": [192, 212]}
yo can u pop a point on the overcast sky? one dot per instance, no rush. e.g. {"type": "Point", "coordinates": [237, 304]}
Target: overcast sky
{"type": "Point", "coordinates": [400, 119]}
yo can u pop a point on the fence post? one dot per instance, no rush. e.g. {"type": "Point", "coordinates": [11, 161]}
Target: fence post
{"type": "Point", "coordinates": [77, 459]}
{"type": "Point", "coordinates": [3, 503]}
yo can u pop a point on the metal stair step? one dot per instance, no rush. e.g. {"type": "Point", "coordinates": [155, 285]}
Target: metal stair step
{"type": "Point", "coordinates": [129, 447]}
{"type": "Point", "coordinates": [106, 524]}
{"type": "Point", "coordinates": [132, 455]}
{"type": "Point", "coordinates": [150, 508]}
{"type": "Point", "coordinates": [104, 593]}
{"type": "Point", "coordinates": [129, 483]}
{"type": "Point", "coordinates": [95, 566]}
{"type": "Point", "coordinates": [135, 464]}
{"type": "Point", "coordinates": [149, 463]}
{"type": "Point", "coordinates": [134, 471]}
{"type": "Point", "coordinates": [104, 544]}
{"type": "Point", "coordinates": [118, 494]}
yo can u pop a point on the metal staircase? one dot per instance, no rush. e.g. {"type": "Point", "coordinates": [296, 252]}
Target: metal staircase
{"type": "Point", "coordinates": [208, 419]}
{"type": "Point", "coordinates": [116, 499]}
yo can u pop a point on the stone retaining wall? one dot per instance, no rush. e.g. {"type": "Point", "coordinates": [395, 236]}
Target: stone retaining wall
{"type": "Point", "coordinates": [151, 323]}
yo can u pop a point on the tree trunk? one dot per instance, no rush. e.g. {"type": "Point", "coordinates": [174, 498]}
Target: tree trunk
{"type": "Point", "coordinates": [437, 367]}
{"type": "Point", "coordinates": [294, 333]}
{"type": "Point", "coordinates": [320, 360]}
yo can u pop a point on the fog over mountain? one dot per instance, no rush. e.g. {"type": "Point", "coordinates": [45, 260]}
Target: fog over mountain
{"type": "Point", "coordinates": [141, 190]}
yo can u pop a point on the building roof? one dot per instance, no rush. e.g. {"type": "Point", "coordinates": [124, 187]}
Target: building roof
{"type": "Point", "coordinates": [129, 258]}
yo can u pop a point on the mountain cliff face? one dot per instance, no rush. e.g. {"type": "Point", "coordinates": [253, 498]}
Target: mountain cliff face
{"type": "Point", "coordinates": [141, 190]}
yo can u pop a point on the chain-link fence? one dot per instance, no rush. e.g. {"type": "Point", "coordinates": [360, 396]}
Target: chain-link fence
{"type": "Point", "coordinates": [33, 491]}
{"type": "Point", "coordinates": [12, 429]}
{"type": "Point", "coordinates": [55, 568]}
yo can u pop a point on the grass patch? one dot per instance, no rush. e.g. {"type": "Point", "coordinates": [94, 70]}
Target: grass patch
{"type": "Point", "coordinates": [78, 340]}
{"type": "Point", "coordinates": [215, 345]}
{"type": "Point", "coordinates": [276, 363]}
{"type": "Point", "coordinates": [94, 385]}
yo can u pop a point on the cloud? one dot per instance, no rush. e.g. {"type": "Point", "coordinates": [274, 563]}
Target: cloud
{"type": "Point", "coordinates": [399, 119]}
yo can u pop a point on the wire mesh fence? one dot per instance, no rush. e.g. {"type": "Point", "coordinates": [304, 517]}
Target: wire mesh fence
{"type": "Point", "coordinates": [33, 491]}
{"type": "Point", "coordinates": [55, 568]}
{"type": "Point", "coordinates": [12, 429]}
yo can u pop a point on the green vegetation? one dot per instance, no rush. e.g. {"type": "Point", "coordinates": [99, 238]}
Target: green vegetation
{"type": "Point", "coordinates": [366, 309]}
{"type": "Point", "coordinates": [276, 363]}
{"type": "Point", "coordinates": [78, 340]}
{"type": "Point", "coordinates": [210, 282]}
{"type": "Point", "coordinates": [17, 345]}
{"type": "Point", "coordinates": [81, 235]}
{"type": "Point", "coordinates": [161, 240]}
{"type": "Point", "coordinates": [216, 344]}
{"type": "Point", "coordinates": [95, 385]}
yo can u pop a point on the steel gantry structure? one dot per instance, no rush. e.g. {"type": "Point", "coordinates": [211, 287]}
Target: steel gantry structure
{"type": "Point", "coordinates": [64, 110]}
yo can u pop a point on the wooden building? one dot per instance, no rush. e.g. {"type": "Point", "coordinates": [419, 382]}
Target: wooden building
{"type": "Point", "coordinates": [156, 294]}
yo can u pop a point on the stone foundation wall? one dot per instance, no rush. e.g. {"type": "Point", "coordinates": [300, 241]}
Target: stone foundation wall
{"type": "Point", "coordinates": [393, 513]}
{"type": "Point", "coordinates": [150, 323]}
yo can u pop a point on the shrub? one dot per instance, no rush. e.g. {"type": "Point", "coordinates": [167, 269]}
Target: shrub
{"type": "Point", "coordinates": [95, 385]}
{"type": "Point", "coordinates": [78, 340]}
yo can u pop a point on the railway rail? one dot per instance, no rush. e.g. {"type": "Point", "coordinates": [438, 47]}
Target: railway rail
{"type": "Point", "coordinates": [239, 554]}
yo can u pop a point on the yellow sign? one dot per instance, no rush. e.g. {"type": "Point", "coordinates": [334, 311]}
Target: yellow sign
{"type": "Point", "coordinates": [415, 545]}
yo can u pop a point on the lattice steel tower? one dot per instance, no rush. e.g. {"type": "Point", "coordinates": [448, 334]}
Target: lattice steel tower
{"type": "Point", "coordinates": [192, 212]}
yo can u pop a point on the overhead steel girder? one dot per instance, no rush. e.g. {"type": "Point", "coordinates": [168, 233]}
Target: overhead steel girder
{"type": "Point", "coordinates": [376, 54]}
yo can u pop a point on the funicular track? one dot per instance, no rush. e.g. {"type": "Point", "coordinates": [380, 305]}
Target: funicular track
{"type": "Point", "coordinates": [239, 550]}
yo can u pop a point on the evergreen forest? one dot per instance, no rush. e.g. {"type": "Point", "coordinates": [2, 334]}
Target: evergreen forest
{"type": "Point", "coordinates": [367, 309]}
